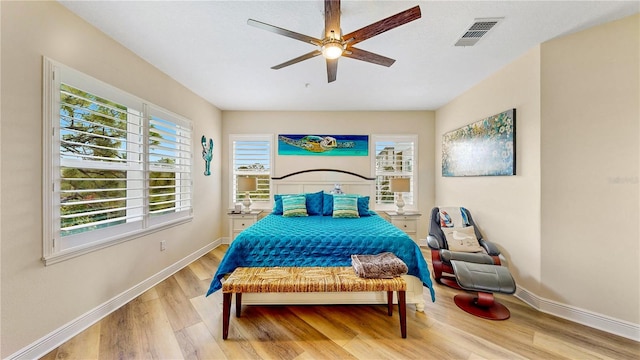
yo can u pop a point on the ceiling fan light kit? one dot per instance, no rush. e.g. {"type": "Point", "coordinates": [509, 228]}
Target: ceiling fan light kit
{"type": "Point", "coordinates": [333, 47]}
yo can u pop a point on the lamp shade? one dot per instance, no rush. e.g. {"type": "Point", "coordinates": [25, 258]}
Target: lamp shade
{"type": "Point", "coordinates": [246, 183]}
{"type": "Point", "coordinates": [399, 185]}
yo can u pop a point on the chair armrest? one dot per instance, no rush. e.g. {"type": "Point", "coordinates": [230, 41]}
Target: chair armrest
{"type": "Point", "coordinates": [433, 243]}
{"type": "Point", "coordinates": [477, 258]}
{"type": "Point", "coordinates": [490, 247]}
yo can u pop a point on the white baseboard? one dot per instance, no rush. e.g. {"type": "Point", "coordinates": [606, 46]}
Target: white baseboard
{"type": "Point", "coordinates": [581, 316]}
{"type": "Point", "coordinates": [59, 336]}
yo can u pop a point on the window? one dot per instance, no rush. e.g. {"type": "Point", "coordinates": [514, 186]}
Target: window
{"type": "Point", "coordinates": [116, 166]}
{"type": "Point", "coordinates": [251, 156]}
{"type": "Point", "coordinates": [395, 156]}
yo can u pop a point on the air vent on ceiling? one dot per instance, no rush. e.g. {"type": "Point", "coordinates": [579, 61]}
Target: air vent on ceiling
{"type": "Point", "coordinates": [477, 30]}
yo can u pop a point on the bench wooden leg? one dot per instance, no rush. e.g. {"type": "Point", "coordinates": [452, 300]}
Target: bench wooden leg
{"type": "Point", "coordinates": [226, 312]}
{"type": "Point", "coordinates": [390, 303]}
{"type": "Point", "coordinates": [238, 304]}
{"type": "Point", "coordinates": [402, 309]}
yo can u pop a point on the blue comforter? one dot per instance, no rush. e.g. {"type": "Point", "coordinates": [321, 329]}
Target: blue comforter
{"type": "Point", "coordinates": [319, 241]}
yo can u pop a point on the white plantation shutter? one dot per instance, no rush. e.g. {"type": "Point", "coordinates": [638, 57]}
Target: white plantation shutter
{"type": "Point", "coordinates": [395, 156]}
{"type": "Point", "coordinates": [251, 156]}
{"type": "Point", "coordinates": [170, 163]}
{"type": "Point", "coordinates": [100, 141]}
{"type": "Point", "coordinates": [116, 167]}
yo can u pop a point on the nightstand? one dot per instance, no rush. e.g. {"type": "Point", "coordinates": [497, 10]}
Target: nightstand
{"type": "Point", "coordinates": [407, 222]}
{"type": "Point", "coordinates": [239, 222]}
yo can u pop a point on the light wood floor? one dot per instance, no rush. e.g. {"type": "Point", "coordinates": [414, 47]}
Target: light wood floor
{"type": "Point", "coordinates": [174, 320]}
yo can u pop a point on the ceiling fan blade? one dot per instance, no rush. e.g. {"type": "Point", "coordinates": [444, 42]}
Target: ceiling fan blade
{"type": "Point", "coordinates": [367, 56]}
{"type": "Point", "coordinates": [331, 18]}
{"type": "Point", "coordinates": [383, 25]}
{"type": "Point", "coordinates": [332, 69]}
{"type": "Point", "coordinates": [306, 56]}
{"type": "Point", "coordinates": [285, 32]}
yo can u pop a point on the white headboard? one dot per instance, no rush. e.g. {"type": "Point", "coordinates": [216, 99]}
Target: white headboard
{"type": "Point", "coordinates": [314, 180]}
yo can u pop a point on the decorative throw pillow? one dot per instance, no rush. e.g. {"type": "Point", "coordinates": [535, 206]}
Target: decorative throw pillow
{"type": "Point", "coordinates": [345, 206]}
{"type": "Point", "coordinates": [363, 206]}
{"type": "Point", "coordinates": [294, 205]}
{"type": "Point", "coordinates": [327, 204]}
{"type": "Point", "coordinates": [277, 204]}
{"type": "Point", "coordinates": [462, 239]}
{"type": "Point", "coordinates": [315, 203]}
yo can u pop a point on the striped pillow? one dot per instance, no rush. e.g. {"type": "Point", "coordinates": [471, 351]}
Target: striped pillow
{"type": "Point", "coordinates": [294, 205]}
{"type": "Point", "coordinates": [345, 206]}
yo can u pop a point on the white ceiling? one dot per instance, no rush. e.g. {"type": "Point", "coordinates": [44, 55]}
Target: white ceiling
{"type": "Point", "coordinates": [209, 48]}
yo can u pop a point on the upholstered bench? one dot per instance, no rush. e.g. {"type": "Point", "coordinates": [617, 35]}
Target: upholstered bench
{"type": "Point", "coordinates": [306, 279]}
{"type": "Point", "coordinates": [486, 279]}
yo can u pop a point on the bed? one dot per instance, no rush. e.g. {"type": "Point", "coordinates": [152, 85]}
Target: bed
{"type": "Point", "coordinates": [320, 239]}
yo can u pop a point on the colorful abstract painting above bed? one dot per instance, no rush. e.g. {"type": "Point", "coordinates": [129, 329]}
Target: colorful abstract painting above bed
{"type": "Point", "coordinates": [319, 241]}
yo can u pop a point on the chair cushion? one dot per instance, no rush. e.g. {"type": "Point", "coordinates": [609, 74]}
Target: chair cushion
{"type": "Point", "coordinates": [478, 258]}
{"type": "Point", "coordinates": [462, 239]}
{"type": "Point", "coordinates": [485, 278]}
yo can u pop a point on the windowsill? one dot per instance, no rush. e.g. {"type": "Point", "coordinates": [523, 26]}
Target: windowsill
{"type": "Point", "coordinates": [77, 251]}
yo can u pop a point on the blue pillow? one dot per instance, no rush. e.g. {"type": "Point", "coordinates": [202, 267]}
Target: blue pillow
{"type": "Point", "coordinates": [363, 206]}
{"type": "Point", "coordinates": [345, 206]}
{"type": "Point", "coordinates": [327, 205]}
{"type": "Point", "coordinates": [277, 205]}
{"type": "Point", "coordinates": [314, 202]}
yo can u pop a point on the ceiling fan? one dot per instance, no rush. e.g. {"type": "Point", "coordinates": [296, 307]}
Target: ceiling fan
{"type": "Point", "coordinates": [335, 44]}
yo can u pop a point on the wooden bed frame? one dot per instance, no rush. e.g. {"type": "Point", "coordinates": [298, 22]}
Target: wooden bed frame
{"type": "Point", "coordinates": [314, 180]}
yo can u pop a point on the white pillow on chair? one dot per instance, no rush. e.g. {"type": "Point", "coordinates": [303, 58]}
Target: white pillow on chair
{"type": "Point", "coordinates": [462, 239]}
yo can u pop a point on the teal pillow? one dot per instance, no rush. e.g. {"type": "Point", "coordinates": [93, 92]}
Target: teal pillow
{"type": "Point", "coordinates": [345, 206]}
{"type": "Point", "coordinates": [327, 204]}
{"type": "Point", "coordinates": [363, 206]}
{"type": "Point", "coordinates": [314, 202]}
{"type": "Point", "coordinates": [294, 205]}
{"type": "Point", "coordinates": [277, 204]}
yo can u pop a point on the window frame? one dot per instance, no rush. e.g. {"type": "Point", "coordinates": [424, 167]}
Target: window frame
{"type": "Point", "coordinates": [57, 248]}
{"type": "Point", "coordinates": [258, 204]}
{"type": "Point", "coordinates": [411, 198]}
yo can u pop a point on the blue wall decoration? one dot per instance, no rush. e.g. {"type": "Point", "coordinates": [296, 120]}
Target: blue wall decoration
{"type": "Point", "coordinates": [483, 148]}
{"type": "Point", "coordinates": [323, 145]}
{"type": "Point", "coordinates": [207, 154]}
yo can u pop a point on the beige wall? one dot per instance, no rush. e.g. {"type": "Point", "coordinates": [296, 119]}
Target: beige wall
{"type": "Point", "coordinates": [506, 208]}
{"type": "Point", "coordinates": [356, 123]}
{"type": "Point", "coordinates": [568, 221]}
{"type": "Point", "coordinates": [37, 299]}
{"type": "Point", "coordinates": [590, 201]}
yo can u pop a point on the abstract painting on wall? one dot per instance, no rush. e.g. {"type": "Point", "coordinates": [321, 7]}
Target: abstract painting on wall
{"type": "Point", "coordinates": [483, 148]}
{"type": "Point", "coordinates": [324, 145]}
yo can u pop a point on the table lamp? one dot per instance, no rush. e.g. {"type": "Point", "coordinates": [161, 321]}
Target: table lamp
{"type": "Point", "coordinates": [247, 184]}
{"type": "Point", "coordinates": [399, 186]}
